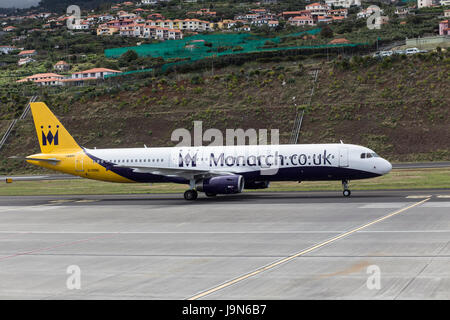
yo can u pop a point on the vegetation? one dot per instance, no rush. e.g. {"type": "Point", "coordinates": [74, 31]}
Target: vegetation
{"type": "Point", "coordinates": [397, 179]}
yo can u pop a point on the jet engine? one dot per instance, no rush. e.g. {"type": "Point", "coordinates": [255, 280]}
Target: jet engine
{"type": "Point", "coordinates": [221, 185]}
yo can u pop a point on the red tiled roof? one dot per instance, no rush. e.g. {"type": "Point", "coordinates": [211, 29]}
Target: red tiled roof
{"type": "Point", "coordinates": [26, 52]}
{"type": "Point", "coordinates": [339, 41]}
{"type": "Point", "coordinates": [94, 70]}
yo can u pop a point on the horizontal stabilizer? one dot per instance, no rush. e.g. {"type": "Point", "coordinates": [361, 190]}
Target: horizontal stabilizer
{"type": "Point", "coordinates": [49, 160]}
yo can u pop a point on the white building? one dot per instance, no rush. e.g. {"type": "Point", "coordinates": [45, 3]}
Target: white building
{"type": "Point", "coordinates": [343, 3]}
{"type": "Point", "coordinates": [318, 9]}
{"type": "Point", "coordinates": [301, 21]}
{"type": "Point", "coordinates": [7, 49]}
{"type": "Point", "coordinates": [365, 13]}
{"type": "Point", "coordinates": [82, 26]}
{"type": "Point", "coordinates": [445, 2]}
{"type": "Point", "coordinates": [23, 61]}
{"type": "Point", "coordinates": [96, 73]}
{"type": "Point", "coordinates": [152, 2]}
{"type": "Point", "coordinates": [424, 3]}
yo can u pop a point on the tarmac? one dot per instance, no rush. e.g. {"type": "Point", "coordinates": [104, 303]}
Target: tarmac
{"type": "Point", "coordinates": [259, 245]}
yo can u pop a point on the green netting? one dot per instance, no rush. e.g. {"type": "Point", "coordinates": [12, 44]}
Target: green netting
{"type": "Point", "coordinates": [127, 72]}
{"type": "Point", "coordinates": [194, 47]}
{"type": "Point", "coordinates": [213, 45]}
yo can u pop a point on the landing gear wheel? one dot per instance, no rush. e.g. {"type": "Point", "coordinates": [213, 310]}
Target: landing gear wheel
{"type": "Point", "coordinates": [190, 194]}
{"type": "Point", "coordinates": [346, 191]}
{"type": "Point", "coordinates": [210, 194]}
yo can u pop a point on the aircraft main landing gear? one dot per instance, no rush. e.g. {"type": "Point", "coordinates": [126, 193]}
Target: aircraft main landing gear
{"type": "Point", "coordinates": [346, 191]}
{"type": "Point", "coordinates": [190, 194]}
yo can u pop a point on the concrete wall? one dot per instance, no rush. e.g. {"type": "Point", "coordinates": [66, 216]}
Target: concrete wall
{"type": "Point", "coordinates": [417, 42]}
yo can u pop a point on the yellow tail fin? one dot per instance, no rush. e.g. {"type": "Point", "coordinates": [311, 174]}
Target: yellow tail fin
{"type": "Point", "coordinates": [52, 135]}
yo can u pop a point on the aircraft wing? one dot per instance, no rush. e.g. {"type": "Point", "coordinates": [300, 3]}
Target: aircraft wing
{"type": "Point", "coordinates": [187, 173]}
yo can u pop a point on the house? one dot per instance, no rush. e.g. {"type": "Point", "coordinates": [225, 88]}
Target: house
{"type": "Point", "coordinates": [290, 14]}
{"type": "Point", "coordinates": [27, 53]}
{"type": "Point", "coordinates": [324, 19]}
{"type": "Point", "coordinates": [339, 41]}
{"type": "Point", "coordinates": [9, 29]}
{"type": "Point", "coordinates": [402, 12]}
{"type": "Point", "coordinates": [24, 61]}
{"type": "Point", "coordinates": [226, 24]}
{"type": "Point", "coordinates": [104, 29]}
{"type": "Point", "coordinates": [339, 13]}
{"type": "Point", "coordinates": [343, 3]}
{"type": "Point", "coordinates": [61, 66]}
{"type": "Point", "coordinates": [318, 9]}
{"type": "Point", "coordinates": [96, 73]}
{"type": "Point", "coordinates": [44, 79]}
{"type": "Point", "coordinates": [104, 18]}
{"type": "Point", "coordinates": [273, 23]}
{"type": "Point", "coordinates": [444, 28]}
{"type": "Point", "coordinates": [447, 13]}
{"type": "Point", "coordinates": [203, 12]}
{"type": "Point", "coordinates": [424, 3]}
{"type": "Point", "coordinates": [175, 34]}
{"type": "Point", "coordinates": [365, 13]}
{"type": "Point", "coordinates": [83, 25]}
{"type": "Point", "coordinates": [7, 49]}
{"type": "Point", "coordinates": [301, 21]}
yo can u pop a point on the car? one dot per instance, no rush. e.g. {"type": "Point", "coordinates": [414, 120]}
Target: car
{"type": "Point", "coordinates": [376, 54]}
{"type": "Point", "coordinates": [423, 51]}
{"type": "Point", "coordinates": [412, 51]}
{"type": "Point", "coordinates": [399, 51]}
{"type": "Point", "coordinates": [386, 53]}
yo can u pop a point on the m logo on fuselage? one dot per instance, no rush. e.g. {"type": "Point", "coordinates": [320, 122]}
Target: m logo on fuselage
{"type": "Point", "coordinates": [49, 138]}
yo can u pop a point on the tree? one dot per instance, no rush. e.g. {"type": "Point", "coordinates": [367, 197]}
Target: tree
{"type": "Point", "coordinates": [326, 32]}
{"type": "Point", "coordinates": [127, 58]}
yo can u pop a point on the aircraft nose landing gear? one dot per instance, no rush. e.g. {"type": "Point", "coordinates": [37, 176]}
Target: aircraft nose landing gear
{"type": "Point", "coordinates": [346, 191]}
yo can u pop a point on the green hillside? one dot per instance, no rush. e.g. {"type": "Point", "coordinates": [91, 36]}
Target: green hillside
{"type": "Point", "coordinates": [399, 107]}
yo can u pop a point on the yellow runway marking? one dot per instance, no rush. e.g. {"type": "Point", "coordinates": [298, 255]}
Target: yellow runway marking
{"type": "Point", "coordinates": [287, 259]}
{"type": "Point", "coordinates": [60, 201]}
{"type": "Point", "coordinates": [86, 200]}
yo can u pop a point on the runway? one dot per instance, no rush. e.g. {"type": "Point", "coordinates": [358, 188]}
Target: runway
{"type": "Point", "coordinates": [264, 245]}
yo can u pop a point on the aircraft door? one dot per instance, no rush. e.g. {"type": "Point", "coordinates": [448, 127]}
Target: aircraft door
{"type": "Point", "coordinates": [343, 157]}
{"type": "Point", "coordinates": [79, 164]}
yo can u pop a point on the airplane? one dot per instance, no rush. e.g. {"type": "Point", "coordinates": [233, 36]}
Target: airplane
{"type": "Point", "coordinates": [212, 170]}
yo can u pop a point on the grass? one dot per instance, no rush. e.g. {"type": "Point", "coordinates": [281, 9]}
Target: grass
{"type": "Point", "coordinates": [397, 179]}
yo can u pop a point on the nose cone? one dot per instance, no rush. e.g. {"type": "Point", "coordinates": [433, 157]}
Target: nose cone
{"type": "Point", "coordinates": [385, 167]}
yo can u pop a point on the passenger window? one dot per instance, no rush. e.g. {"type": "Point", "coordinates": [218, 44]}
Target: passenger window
{"type": "Point", "coordinates": [363, 155]}
{"type": "Point", "coordinates": [369, 155]}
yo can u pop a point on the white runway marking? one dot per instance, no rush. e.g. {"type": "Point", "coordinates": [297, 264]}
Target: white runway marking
{"type": "Point", "coordinates": [168, 232]}
{"type": "Point", "coordinates": [443, 196]}
{"type": "Point", "coordinates": [437, 205]}
{"type": "Point", "coordinates": [42, 207]}
{"type": "Point", "coordinates": [301, 253]}
{"type": "Point", "coordinates": [220, 232]}
{"type": "Point", "coordinates": [420, 196]}
{"type": "Point", "coordinates": [385, 205]}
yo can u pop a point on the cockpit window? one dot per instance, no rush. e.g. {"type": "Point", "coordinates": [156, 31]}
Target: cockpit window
{"type": "Point", "coordinates": [369, 155]}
